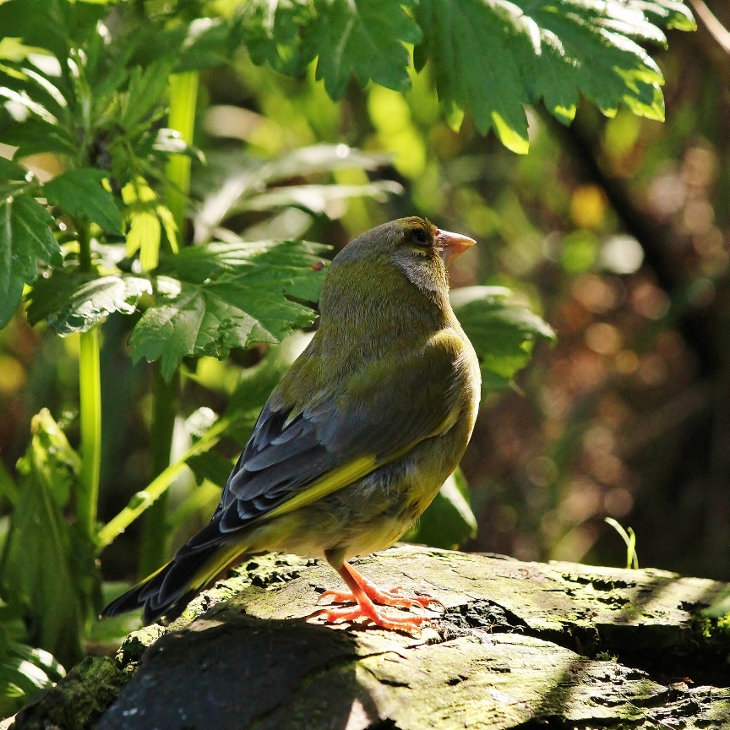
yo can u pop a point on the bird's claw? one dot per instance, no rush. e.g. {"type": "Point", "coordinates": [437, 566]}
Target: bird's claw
{"type": "Point", "coordinates": [341, 614]}
{"type": "Point", "coordinates": [383, 597]}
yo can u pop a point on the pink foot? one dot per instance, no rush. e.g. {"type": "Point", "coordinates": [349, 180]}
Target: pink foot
{"type": "Point", "coordinates": [340, 614]}
{"type": "Point", "coordinates": [381, 596]}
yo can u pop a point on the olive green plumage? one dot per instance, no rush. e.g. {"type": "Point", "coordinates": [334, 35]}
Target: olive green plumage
{"type": "Point", "coordinates": [361, 432]}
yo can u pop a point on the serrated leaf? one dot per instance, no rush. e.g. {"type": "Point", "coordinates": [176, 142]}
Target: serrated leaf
{"type": "Point", "coordinates": [77, 301]}
{"type": "Point", "coordinates": [25, 238]}
{"type": "Point", "coordinates": [210, 299]}
{"type": "Point", "coordinates": [272, 32]}
{"type": "Point", "coordinates": [494, 57]}
{"type": "Point", "coordinates": [501, 332]}
{"type": "Point", "coordinates": [146, 90]}
{"type": "Point", "coordinates": [364, 38]}
{"type": "Point", "coordinates": [80, 192]}
{"type": "Point", "coordinates": [671, 14]}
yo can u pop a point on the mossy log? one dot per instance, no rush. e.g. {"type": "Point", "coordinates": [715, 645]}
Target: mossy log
{"type": "Point", "coordinates": [517, 645]}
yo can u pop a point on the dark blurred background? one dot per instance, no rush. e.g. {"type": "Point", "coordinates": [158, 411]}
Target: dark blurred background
{"type": "Point", "coordinates": [615, 230]}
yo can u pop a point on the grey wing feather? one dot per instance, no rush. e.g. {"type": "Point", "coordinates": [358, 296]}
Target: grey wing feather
{"type": "Point", "coordinates": [285, 455]}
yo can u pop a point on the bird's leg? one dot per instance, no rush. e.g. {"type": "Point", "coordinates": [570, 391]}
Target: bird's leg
{"type": "Point", "coordinates": [365, 608]}
{"type": "Point", "coordinates": [382, 596]}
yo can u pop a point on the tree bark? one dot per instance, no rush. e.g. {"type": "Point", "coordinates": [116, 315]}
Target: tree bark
{"type": "Point", "coordinates": [518, 645]}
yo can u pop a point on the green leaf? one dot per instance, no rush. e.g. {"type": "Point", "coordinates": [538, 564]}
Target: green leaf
{"type": "Point", "coordinates": [146, 91]}
{"type": "Point", "coordinates": [449, 520]}
{"type": "Point", "coordinates": [671, 14]}
{"type": "Point", "coordinates": [36, 135]}
{"type": "Point", "coordinates": [494, 57]}
{"type": "Point", "coordinates": [77, 301]}
{"type": "Point", "coordinates": [209, 43]}
{"type": "Point", "coordinates": [10, 170]}
{"type": "Point", "coordinates": [23, 671]}
{"type": "Point", "coordinates": [25, 237]}
{"type": "Point", "coordinates": [8, 487]}
{"type": "Point", "coordinates": [502, 333]}
{"type": "Point", "coordinates": [272, 32]}
{"type": "Point", "coordinates": [237, 178]}
{"type": "Point", "coordinates": [212, 298]}
{"type": "Point", "coordinates": [51, 24]}
{"type": "Point", "coordinates": [364, 38]}
{"type": "Point", "coordinates": [36, 573]}
{"type": "Point", "coordinates": [80, 192]}
{"type": "Point", "coordinates": [316, 197]}
{"type": "Point", "coordinates": [211, 466]}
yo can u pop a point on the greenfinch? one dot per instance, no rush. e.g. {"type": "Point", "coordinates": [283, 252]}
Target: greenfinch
{"type": "Point", "coordinates": [358, 437]}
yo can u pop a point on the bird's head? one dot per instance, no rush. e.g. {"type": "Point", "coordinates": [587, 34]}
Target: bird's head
{"type": "Point", "coordinates": [413, 247]}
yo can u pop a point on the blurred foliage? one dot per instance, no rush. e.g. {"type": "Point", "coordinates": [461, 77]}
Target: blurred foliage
{"type": "Point", "coordinates": [612, 231]}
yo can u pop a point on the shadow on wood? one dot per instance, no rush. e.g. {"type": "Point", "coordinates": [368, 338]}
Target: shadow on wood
{"type": "Point", "coordinates": [518, 645]}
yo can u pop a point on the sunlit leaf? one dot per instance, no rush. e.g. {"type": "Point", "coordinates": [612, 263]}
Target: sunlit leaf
{"type": "Point", "coordinates": [492, 58]}
{"type": "Point", "coordinates": [364, 39]}
{"type": "Point", "coordinates": [212, 298]}
{"type": "Point", "coordinates": [25, 239]}
{"type": "Point", "coordinates": [316, 197]}
{"type": "Point", "coordinates": [236, 178]}
{"type": "Point", "coordinates": [77, 301]}
{"type": "Point", "coordinates": [23, 671]}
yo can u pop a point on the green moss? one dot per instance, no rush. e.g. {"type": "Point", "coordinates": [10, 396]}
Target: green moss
{"type": "Point", "coordinates": [78, 700]}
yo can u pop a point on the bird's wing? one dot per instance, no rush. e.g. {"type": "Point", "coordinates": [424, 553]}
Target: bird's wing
{"type": "Point", "coordinates": [376, 417]}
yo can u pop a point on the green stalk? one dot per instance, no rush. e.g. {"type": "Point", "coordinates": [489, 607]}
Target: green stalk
{"type": "Point", "coordinates": [90, 408]}
{"type": "Point", "coordinates": [183, 95]}
{"type": "Point", "coordinates": [156, 529]}
{"type": "Point", "coordinates": [158, 486]}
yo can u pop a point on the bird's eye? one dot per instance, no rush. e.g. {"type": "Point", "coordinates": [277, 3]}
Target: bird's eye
{"type": "Point", "coordinates": [420, 237]}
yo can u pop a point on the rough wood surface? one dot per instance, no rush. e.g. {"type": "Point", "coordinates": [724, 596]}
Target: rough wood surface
{"type": "Point", "coordinates": [518, 645]}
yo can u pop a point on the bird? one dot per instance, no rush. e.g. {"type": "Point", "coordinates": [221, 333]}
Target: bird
{"type": "Point", "coordinates": [357, 438]}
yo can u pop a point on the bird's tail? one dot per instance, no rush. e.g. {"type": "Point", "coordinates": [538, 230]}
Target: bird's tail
{"type": "Point", "coordinates": [168, 590]}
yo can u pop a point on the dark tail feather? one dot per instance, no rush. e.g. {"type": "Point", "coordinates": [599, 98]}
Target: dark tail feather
{"type": "Point", "coordinates": [172, 587]}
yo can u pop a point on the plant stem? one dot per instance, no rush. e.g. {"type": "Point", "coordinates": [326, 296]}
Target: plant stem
{"type": "Point", "coordinates": [158, 486]}
{"type": "Point", "coordinates": [155, 530]}
{"type": "Point", "coordinates": [90, 408]}
{"type": "Point", "coordinates": [183, 96]}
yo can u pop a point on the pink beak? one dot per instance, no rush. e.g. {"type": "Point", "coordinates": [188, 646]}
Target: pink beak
{"type": "Point", "coordinates": [452, 244]}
